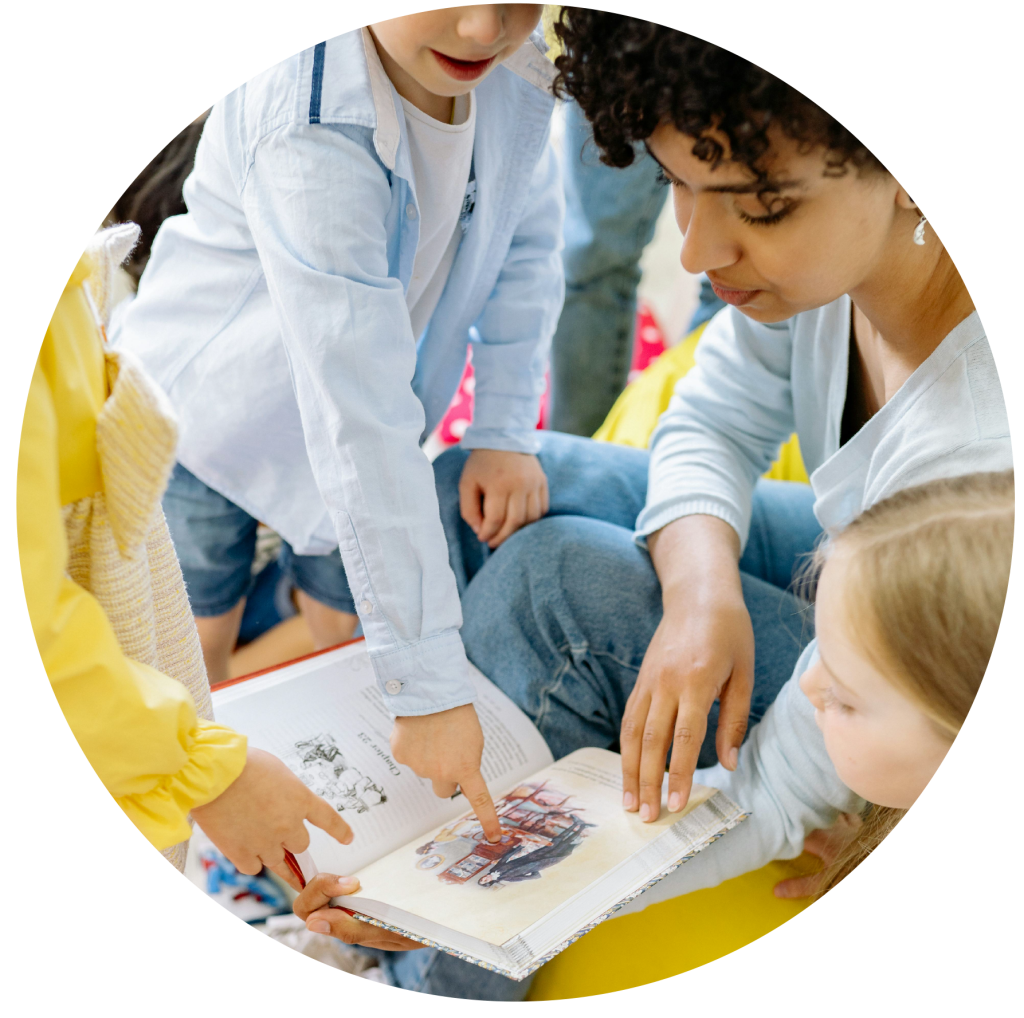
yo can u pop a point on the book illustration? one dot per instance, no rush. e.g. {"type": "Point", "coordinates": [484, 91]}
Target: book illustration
{"type": "Point", "coordinates": [323, 769]}
{"type": "Point", "coordinates": [540, 827]}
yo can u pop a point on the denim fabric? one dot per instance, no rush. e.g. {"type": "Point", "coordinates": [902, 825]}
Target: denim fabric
{"type": "Point", "coordinates": [560, 616]}
{"type": "Point", "coordinates": [215, 542]}
{"type": "Point", "coordinates": [609, 219]}
{"type": "Point", "coordinates": [440, 974]}
{"type": "Point", "coordinates": [268, 602]}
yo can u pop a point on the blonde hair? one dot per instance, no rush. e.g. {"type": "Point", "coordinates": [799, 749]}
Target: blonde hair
{"type": "Point", "coordinates": [927, 572]}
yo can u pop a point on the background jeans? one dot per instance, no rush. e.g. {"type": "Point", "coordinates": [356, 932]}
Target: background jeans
{"type": "Point", "coordinates": [432, 971]}
{"type": "Point", "coordinates": [610, 215]}
{"type": "Point", "coordinates": [609, 220]}
{"type": "Point", "coordinates": [560, 616]}
{"type": "Point", "coordinates": [215, 541]}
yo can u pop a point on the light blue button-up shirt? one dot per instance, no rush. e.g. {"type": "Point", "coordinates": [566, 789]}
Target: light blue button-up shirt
{"type": "Point", "coordinates": [274, 316]}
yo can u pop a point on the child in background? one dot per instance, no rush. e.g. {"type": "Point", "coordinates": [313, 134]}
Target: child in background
{"type": "Point", "coordinates": [908, 605]}
{"type": "Point", "coordinates": [356, 215]}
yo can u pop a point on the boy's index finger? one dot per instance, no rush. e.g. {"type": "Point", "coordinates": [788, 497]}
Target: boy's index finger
{"type": "Point", "coordinates": [474, 788]}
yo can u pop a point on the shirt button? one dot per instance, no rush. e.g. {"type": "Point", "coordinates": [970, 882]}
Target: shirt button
{"type": "Point", "coordinates": [393, 686]}
{"type": "Point", "coordinates": [366, 607]}
{"type": "Point", "coordinates": [410, 210]}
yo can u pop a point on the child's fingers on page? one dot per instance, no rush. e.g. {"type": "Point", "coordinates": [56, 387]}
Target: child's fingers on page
{"type": "Point", "coordinates": [323, 815]}
{"type": "Point", "coordinates": [690, 727]}
{"type": "Point", "coordinates": [474, 788]}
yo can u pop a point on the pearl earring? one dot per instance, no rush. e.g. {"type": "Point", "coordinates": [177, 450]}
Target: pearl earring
{"type": "Point", "coordinates": [919, 231]}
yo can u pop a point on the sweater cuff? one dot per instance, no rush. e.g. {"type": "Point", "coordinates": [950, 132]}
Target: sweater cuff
{"type": "Point", "coordinates": [216, 757]}
{"type": "Point", "coordinates": [654, 517]}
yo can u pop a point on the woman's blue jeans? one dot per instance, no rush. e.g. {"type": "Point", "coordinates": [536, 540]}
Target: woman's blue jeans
{"type": "Point", "coordinates": [560, 616]}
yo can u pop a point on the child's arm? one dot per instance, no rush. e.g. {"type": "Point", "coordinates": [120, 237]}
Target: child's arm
{"type": "Point", "coordinates": [318, 201]}
{"type": "Point", "coordinates": [503, 486]}
{"type": "Point", "coordinates": [137, 726]}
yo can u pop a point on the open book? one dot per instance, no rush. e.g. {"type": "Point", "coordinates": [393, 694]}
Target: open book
{"type": "Point", "coordinates": [569, 857]}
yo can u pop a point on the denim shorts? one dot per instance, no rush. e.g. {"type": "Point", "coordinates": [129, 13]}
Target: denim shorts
{"type": "Point", "coordinates": [216, 541]}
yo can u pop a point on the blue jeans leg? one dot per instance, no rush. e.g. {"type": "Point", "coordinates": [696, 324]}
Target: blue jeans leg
{"type": "Point", "coordinates": [608, 482]}
{"type": "Point", "coordinates": [214, 540]}
{"type": "Point", "coordinates": [585, 478]}
{"type": "Point", "coordinates": [609, 219]}
{"type": "Point", "coordinates": [562, 618]}
{"type": "Point", "coordinates": [561, 614]}
{"type": "Point", "coordinates": [440, 974]}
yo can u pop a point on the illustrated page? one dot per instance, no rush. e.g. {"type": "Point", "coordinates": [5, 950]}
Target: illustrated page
{"type": "Point", "coordinates": [326, 720]}
{"type": "Point", "coordinates": [562, 829]}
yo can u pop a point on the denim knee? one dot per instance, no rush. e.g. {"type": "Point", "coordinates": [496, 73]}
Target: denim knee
{"type": "Point", "coordinates": [322, 577]}
{"type": "Point", "coordinates": [215, 541]}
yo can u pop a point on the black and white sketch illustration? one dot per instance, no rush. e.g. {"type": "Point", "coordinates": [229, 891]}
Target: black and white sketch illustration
{"type": "Point", "coordinates": [322, 767]}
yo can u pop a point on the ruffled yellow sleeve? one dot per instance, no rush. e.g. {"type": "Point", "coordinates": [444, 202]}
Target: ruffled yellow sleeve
{"type": "Point", "coordinates": [137, 727]}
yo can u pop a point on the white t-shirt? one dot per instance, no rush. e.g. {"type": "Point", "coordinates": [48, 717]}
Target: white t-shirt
{"type": "Point", "coordinates": [441, 157]}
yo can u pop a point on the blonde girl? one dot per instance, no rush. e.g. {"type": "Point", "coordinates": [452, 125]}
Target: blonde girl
{"type": "Point", "coordinates": [912, 594]}
{"type": "Point", "coordinates": [908, 602]}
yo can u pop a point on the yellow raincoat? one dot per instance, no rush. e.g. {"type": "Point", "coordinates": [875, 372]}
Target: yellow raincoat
{"type": "Point", "coordinates": [104, 589]}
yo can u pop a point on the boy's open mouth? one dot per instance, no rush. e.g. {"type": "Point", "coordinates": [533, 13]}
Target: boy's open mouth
{"type": "Point", "coordinates": [462, 70]}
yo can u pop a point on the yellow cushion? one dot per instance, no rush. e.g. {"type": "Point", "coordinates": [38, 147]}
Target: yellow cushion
{"type": "Point", "coordinates": [633, 417]}
{"type": "Point", "coordinates": [673, 936]}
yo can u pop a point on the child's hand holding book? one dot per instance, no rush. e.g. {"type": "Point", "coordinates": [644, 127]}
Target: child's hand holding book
{"type": "Point", "coordinates": [313, 908]}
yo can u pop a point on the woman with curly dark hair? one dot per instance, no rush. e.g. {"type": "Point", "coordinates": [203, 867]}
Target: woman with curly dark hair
{"type": "Point", "coordinates": [633, 611]}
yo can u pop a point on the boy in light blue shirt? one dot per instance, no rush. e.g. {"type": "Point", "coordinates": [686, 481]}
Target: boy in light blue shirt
{"type": "Point", "coordinates": [357, 214]}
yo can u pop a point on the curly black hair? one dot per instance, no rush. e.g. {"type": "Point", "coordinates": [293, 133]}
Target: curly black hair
{"type": "Point", "coordinates": [628, 76]}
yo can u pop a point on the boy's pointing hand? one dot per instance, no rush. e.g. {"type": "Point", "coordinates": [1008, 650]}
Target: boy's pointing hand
{"type": "Point", "coordinates": [446, 748]}
{"type": "Point", "coordinates": [500, 492]}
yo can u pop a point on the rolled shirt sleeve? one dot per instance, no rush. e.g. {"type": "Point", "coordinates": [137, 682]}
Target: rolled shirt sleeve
{"type": "Point", "coordinates": [348, 338]}
{"type": "Point", "coordinates": [137, 727]}
{"type": "Point", "coordinates": [515, 329]}
{"type": "Point", "coordinates": [723, 426]}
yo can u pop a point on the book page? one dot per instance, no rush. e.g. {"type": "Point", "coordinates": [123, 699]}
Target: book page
{"type": "Point", "coordinates": [563, 829]}
{"type": "Point", "coordinates": [326, 720]}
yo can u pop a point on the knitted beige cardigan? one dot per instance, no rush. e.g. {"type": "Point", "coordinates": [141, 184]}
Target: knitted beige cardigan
{"type": "Point", "coordinates": [119, 547]}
